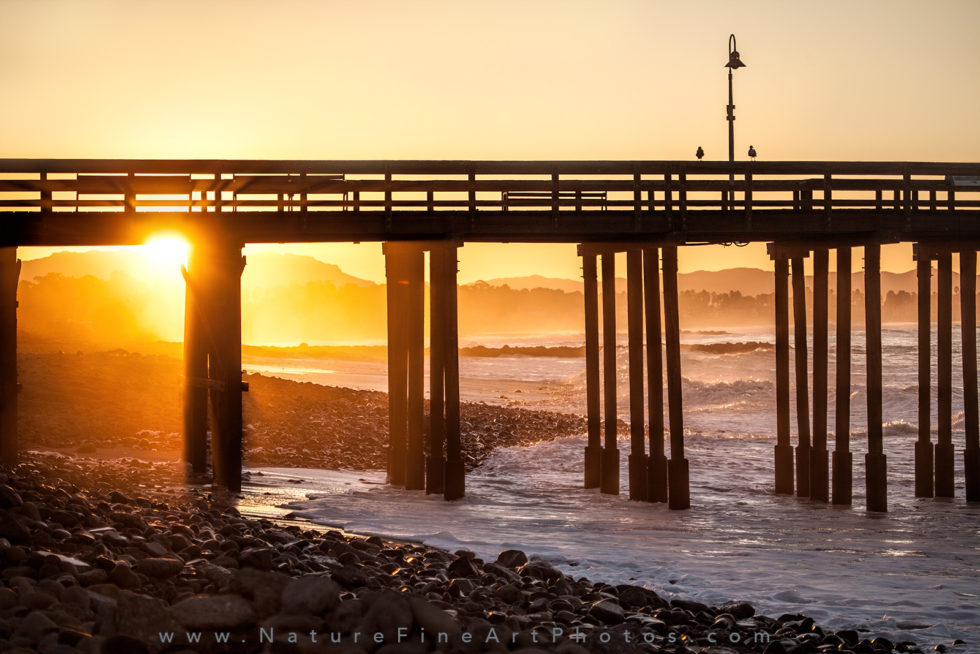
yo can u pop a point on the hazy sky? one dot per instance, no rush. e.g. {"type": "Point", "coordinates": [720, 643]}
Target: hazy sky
{"type": "Point", "coordinates": [869, 80]}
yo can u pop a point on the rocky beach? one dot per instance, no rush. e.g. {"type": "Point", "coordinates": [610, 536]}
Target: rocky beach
{"type": "Point", "coordinates": [118, 556]}
{"type": "Point", "coordinates": [106, 547]}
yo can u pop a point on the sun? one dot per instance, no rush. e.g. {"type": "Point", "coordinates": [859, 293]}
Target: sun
{"type": "Point", "coordinates": [166, 252]}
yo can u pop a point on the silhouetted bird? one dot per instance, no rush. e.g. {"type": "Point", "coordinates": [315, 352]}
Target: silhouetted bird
{"type": "Point", "coordinates": [753, 153]}
{"type": "Point", "coordinates": [699, 153]}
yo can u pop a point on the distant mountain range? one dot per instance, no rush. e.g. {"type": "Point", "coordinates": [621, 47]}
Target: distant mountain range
{"type": "Point", "coordinates": [273, 269]}
{"type": "Point", "coordinates": [747, 281]}
{"type": "Point", "coordinates": [266, 269]}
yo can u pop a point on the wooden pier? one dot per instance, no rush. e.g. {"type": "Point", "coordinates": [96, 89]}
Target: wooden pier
{"type": "Point", "coordinates": [647, 209]}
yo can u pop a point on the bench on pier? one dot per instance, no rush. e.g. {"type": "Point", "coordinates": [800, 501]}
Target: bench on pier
{"type": "Point", "coordinates": [542, 198]}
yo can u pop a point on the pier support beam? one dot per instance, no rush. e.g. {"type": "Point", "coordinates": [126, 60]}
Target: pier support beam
{"type": "Point", "coordinates": [415, 328]}
{"type": "Point", "coordinates": [634, 306]}
{"type": "Point", "coordinates": [442, 469]}
{"type": "Point", "coordinates": [678, 474]}
{"type": "Point", "coordinates": [944, 378]}
{"type": "Point", "coordinates": [396, 276]}
{"type": "Point", "coordinates": [593, 451]}
{"type": "Point", "coordinates": [802, 385]}
{"type": "Point", "coordinates": [656, 462]}
{"type": "Point", "coordinates": [435, 463]}
{"type": "Point", "coordinates": [924, 446]}
{"type": "Point", "coordinates": [842, 459]}
{"type": "Point", "coordinates": [968, 327]}
{"type": "Point", "coordinates": [609, 480]}
{"type": "Point", "coordinates": [875, 461]}
{"type": "Point", "coordinates": [224, 319]}
{"type": "Point", "coordinates": [9, 276]}
{"type": "Point", "coordinates": [454, 475]}
{"type": "Point", "coordinates": [819, 479]}
{"type": "Point", "coordinates": [196, 348]}
{"type": "Point", "coordinates": [783, 450]}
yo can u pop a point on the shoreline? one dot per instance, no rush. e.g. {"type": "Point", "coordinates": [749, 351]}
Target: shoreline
{"type": "Point", "coordinates": [95, 570]}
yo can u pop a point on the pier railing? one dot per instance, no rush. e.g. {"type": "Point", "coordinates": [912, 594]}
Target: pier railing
{"type": "Point", "coordinates": [556, 200]}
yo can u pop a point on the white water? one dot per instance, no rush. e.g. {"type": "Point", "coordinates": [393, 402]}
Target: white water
{"type": "Point", "coordinates": [910, 574]}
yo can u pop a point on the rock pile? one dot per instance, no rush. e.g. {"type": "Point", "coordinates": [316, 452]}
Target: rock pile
{"type": "Point", "coordinates": [114, 557]}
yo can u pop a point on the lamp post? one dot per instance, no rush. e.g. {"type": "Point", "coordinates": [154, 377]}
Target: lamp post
{"type": "Point", "coordinates": [734, 61]}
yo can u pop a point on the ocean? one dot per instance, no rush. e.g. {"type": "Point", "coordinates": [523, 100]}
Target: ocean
{"type": "Point", "coordinates": [910, 574]}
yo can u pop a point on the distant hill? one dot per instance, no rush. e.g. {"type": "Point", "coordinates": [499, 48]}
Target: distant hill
{"type": "Point", "coordinates": [270, 269]}
{"type": "Point", "coordinates": [539, 281]}
{"type": "Point", "coordinates": [79, 264]}
{"type": "Point", "coordinates": [747, 281]}
{"type": "Point", "coordinates": [264, 270]}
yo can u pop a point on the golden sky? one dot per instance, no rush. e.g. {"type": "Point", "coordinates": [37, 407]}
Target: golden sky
{"type": "Point", "coordinates": [509, 79]}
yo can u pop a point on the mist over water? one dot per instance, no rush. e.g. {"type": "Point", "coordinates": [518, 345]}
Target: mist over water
{"type": "Point", "coordinates": [910, 574]}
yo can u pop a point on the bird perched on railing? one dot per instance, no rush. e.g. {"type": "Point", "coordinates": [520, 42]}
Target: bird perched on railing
{"type": "Point", "coordinates": [699, 154]}
{"type": "Point", "coordinates": [752, 153]}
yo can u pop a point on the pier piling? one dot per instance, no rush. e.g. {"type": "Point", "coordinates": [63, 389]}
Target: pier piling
{"type": "Point", "coordinates": [968, 328]}
{"type": "Point", "coordinates": [609, 479]}
{"type": "Point", "coordinates": [593, 451]}
{"type": "Point", "coordinates": [923, 445]}
{"type": "Point", "coordinates": [415, 318]}
{"type": "Point", "coordinates": [783, 449]}
{"type": "Point", "coordinates": [9, 276]}
{"type": "Point", "coordinates": [875, 461]}
{"type": "Point", "coordinates": [454, 475]}
{"type": "Point", "coordinates": [802, 385]}
{"type": "Point", "coordinates": [224, 322]}
{"type": "Point", "coordinates": [396, 277]}
{"type": "Point", "coordinates": [819, 480]}
{"type": "Point", "coordinates": [196, 347]}
{"type": "Point", "coordinates": [944, 377]}
{"type": "Point", "coordinates": [634, 307]}
{"type": "Point", "coordinates": [435, 463]}
{"type": "Point", "coordinates": [656, 462]}
{"type": "Point", "coordinates": [842, 458]}
{"type": "Point", "coordinates": [678, 473]}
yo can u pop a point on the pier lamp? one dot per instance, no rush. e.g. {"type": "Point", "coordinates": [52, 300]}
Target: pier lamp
{"type": "Point", "coordinates": [734, 61]}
